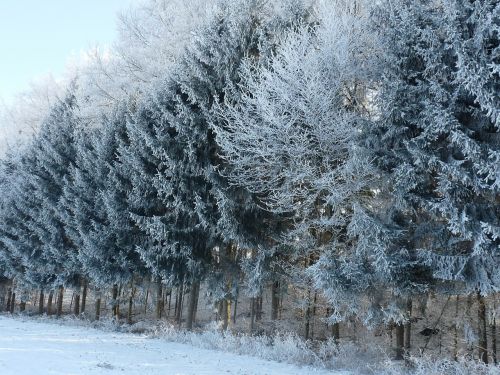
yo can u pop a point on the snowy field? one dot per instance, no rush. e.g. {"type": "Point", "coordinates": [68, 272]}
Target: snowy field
{"type": "Point", "coordinates": [30, 347]}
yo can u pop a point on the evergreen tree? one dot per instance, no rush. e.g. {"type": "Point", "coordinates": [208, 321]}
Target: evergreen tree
{"type": "Point", "coordinates": [36, 233]}
{"type": "Point", "coordinates": [290, 140]}
{"type": "Point", "coordinates": [15, 257]}
{"type": "Point", "coordinates": [54, 153]}
{"type": "Point", "coordinates": [97, 202]}
{"type": "Point", "coordinates": [438, 136]}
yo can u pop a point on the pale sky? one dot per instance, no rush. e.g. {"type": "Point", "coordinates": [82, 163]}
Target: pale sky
{"type": "Point", "coordinates": [38, 37]}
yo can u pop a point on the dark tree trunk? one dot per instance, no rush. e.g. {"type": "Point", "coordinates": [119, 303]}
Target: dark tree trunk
{"type": "Point", "coordinates": [60, 302]}
{"type": "Point", "coordinates": [252, 314]}
{"type": "Point", "coordinates": [35, 298]}
{"type": "Point", "coordinates": [483, 341]}
{"type": "Point", "coordinates": [84, 297]}
{"type": "Point", "coordinates": [409, 306]}
{"type": "Point", "coordinates": [178, 318]}
{"type": "Point", "coordinates": [40, 302]}
{"type": "Point", "coordinates": [280, 313]}
{"type": "Point", "coordinates": [493, 328]}
{"type": "Point", "coordinates": [307, 316]}
{"type": "Point", "coordinates": [130, 303]}
{"type": "Point", "coordinates": [169, 306]}
{"type": "Point", "coordinates": [235, 307]}
{"type": "Point", "coordinates": [114, 295]}
{"type": "Point", "coordinates": [455, 332]}
{"type": "Point", "coordinates": [98, 308]}
{"type": "Point", "coordinates": [258, 310]}
{"type": "Point", "coordinates": [313, 314]}
{"type": "Point", "coordinates": [400, 336]}
{"type": "Point", "coordinates": [470, 321]}
{"type": "Point", "coordinates": [9, 299]}
{"type": "Point", "coordinates": [49, 302]}
{"type": "Point", "coordinates": [494, 340]}
{"type": "Point", "coordinates": [275, 300]}
{"type": "Point", "coordinates": [196, 303]}
{"type": "Point", "coordinates": [159, 299]}
{"type": "Point", "coordinates": [13, 302]}
{"type": "Point", "coordinates": [146, 302]}
{"type": "Point", "coordinates": [336, 331]}
{"type": "Point", "coordinates": [193, 296]}
{"type": "Point", "coordinates": [76, 310]}
{"type": "Point", "coordinates": [219, 311]}
{"type": "Point", "coordinates": [176, 305]}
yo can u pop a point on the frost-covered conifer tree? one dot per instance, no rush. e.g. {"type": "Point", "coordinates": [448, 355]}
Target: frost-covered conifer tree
{"type": "Point", "coordinates": [18, 259]}
{"type": "Point", "coordinates": [436, 144]}
{"type": "Point", "coordinates": [54, 154]}
{"type": "Point", "coordinates": [97, 204]}
{"type": "Point", "coordinates": [253, 230]}
{"type": "Point", "coordinates": [438, 135]}
{"type": "Point", "coordinates": [35, 233]}
{"type": "Point", "coordinates": [174, 124]}
{"type": "Point", "coordinates": [291, 140]}
{"type": "Point", "coordinates": [108, 236]}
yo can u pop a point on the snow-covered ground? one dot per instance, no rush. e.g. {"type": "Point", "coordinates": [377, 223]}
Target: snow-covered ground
{"type": "Point", "coordinates": [31, 347]}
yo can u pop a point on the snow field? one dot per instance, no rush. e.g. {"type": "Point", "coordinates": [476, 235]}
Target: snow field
{"type": "Point", "coordinates": [30, 347]}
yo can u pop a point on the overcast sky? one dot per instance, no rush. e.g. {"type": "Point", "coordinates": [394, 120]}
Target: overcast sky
{"type": "Point", "coordinates": [38, 37]}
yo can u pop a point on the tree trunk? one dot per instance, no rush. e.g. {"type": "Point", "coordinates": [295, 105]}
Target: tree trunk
{"type": "Point", "coordinates": [196, 303]}
{"type": "Point", "coordinates": [219, 311]}
{"type": "Point", "coordinates": [159, 299]}
{"type": "Point", "coordinates": [307, 316]}
{"type": "Point", "coordinates": [494, 340]}
{"type": "Point", "coordinates": [22, 306]}
{"type": "Point", "coordinates": [483, 341]}
{"type": "Point", "coordinates": [195, 289]}
{"type": "Point", "coordinates": [9, 299]}
{"type": "Point", "coordinates": [84, 297]}
{"type": "Point", "coordinates": [235, 308]}
{"type": "Point", "coordinates": [49, 302]}
{"type": "Point", "coordinates": [178, 317]}
{"type": "Point", "coordinates": [40, 302]}
{"type": "Point", "coordinates": [493, 328]}
{"type": "Point", "coordinates": [280, 311]}
{"type": "Point", "coordinates": [115, 309]}
{"type": "Point", "coordinates": [120, 295]}
{"type": "Point", "coordinates": [176, 305]}
{"type": "Point", "coordinates": [252, 314]}
{"type": "Point", "coordinates": [76, 310]}
{"type": "Point", "coordinates": [60, 302]}
{"type": "Point", "coordinates": [470, 322]}
{"type": "Point", "coordinates": [313, 314]}
{"type": "Point", "coordinates": [226, 313]}
{"type": "Point", "coordinates": [455, 333]}
{"type": "Point", "coordinates": [258, 305]}
{"type": "Point", "coordinates": [408, 325]}
{"type": "Point", "coordinates": [335, 327]}
{"type": "Point", "coordinates": [98, 308]}
{"type": "Point", "coordinates": [35, 299]}
{"type": "Point", "coordinates": [336, 331]}
{"type": "Point", "coordinates": [130, 303]}
{"type": "Point", "coordinates": [13, 302]}
{"type": "Point", "coordinates": [400, 336]}
{"type": "Point", "coordinates": [275, 300]}
{"type": "Point", "coordinates": [169, 306]}
{"type": "Point", "coordinates": [146, 302]}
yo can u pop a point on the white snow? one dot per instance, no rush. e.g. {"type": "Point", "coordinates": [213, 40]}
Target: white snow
{"type": "Point", "coordinates": [32, 347]}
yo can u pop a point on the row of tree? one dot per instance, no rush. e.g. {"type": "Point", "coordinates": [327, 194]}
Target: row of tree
{"type": "Point", "coordinates": [352, 149]}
